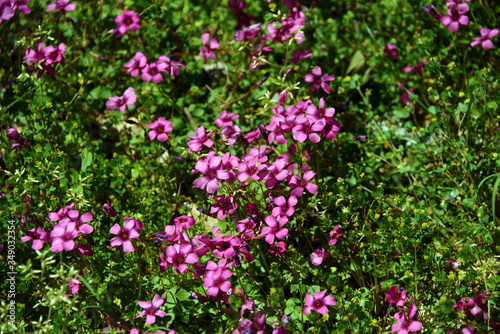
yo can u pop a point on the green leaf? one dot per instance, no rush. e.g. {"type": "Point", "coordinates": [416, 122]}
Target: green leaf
{"type": "Point", "coordinates": [87, 161]}
{"type": "Point", "coordinates": [405, 113]}
{"type": "Point", "coordinates": [357, 61]}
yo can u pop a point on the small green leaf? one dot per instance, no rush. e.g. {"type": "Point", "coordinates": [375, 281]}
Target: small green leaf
{"type": "Point", "coordinates": [357, 61]}
{"type": "Point", "coordinates": [87, 161]}
{"type": "Point", "coordinates": [405, 113]}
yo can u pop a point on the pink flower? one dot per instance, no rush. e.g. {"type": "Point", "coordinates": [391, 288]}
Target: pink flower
{"type": "Point", "coordinates": [121, 103]}
{"type": "Point", "coordinates": [200, 139]}
{"type": "Point", "coordinates": [179, 255]}
{"type": "Point", "coordinates": [151, 309]}
{"type": "Point", "coordinates": [153, 72]}
{"type": "Point", "coordinates": [318, 303]}
{"type": "Point", "coordinates": [390, 51]}
{"type": "Point", "coordinates": [216, 280]}
{"type": "Point", "coordinates": [109, 209]}
{"type": "Point", "coordinates": [136, 64]}
{"type": "Point", "coordinates": [299, 55]}
{"type": "Point", "coordinates": [74, 285]}
{"type": "Point", "coordinates": [64, 216]}
{"type": "Point", "coordinates": [486, 34]}
{"type": "Point", "coordinates": [284, 207]}
{"type": "Point", "coordinates": [461, 5]}
{"type": "Point", "coordinates": [62, 237]}
{"type": "Point", "coordinates": [278, 248]}
{"type": "Point", "coordinates": [224, 205]}
{"type": "Point", "coordinates": [274, 228]}
{"type": "Point", "coordinates": [62, 5]}
{"type": "Point", "coordinates": [160, 128]}
{"type": "Point", "coordinates": [207, 51]}
{"type": "Point", "coordinates": [15, 137]}
{"type": "Point", "coordinates": [335, 235]}
{"type": "Point", "coordinates": [404, 325]}
{"type": "Point", "coordinates": [247, 33]}
{"type": "Point", "coordinates": [454, 19]}
{"type": "Point", "coordinates": [211, 166]}
{"type": "Point", "coordinates": [393, 296]}
{"type": "Point", "coordinates": [184, 222]}
{"type": "Point", "coordinates": [170, 65]}
{"type": "Point", "coordinates": [297, 185]}
{"type": "Point", "coordinates": [226, 119]}
{"type": "Point", "coordinates": [37, 237]}
{"type": "Point", "coordinates": [318, 80]}
{"type": "Point", "coordinates": [124, 235]}
{"type": "Point", "coordinates": [417, 68]}
{"type": "Point", "coordinates": [127, 20]}
{"type": "Point", "coordinates": [317, 256]}
{"type": "Point", "coordinates": [468, 329]}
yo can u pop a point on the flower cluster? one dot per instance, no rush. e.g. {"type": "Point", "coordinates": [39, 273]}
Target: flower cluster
{"type": "Point", "coordinates": [45, 58]}
{"type": "Point", "coordinates": [153, 70]}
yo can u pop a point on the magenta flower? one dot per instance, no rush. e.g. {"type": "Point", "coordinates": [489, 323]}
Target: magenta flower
{"type": "Point", "coordinates": [274, 228]}
{"type": "Point", "coordinates": [62, 5]}
{"type": "Point", "coordinates": [207, 51]}
{"type": "Point", "coordinates": [299, 55]}
{"type": "Point", "coordinates": [317, 256]}
{"type": "Point", "coordinates": [335, 235]}
{"type": "Point", "coordinates": [211, 166]}
{"type": "Point", "coordinates": [121, 103]}
{"type": "Point", "coordinates": [160, 128]}
{"type": "Point", "coordinates": [62, 237]}
{"type": "Point", "coordinates": [251, 170]}
{"type": "Point", "coordinates": [318, 303]}
{"type": "Point", "coordinates": [127, 20]}
{"type": "Point", "coordinates": [200, 139]}
{"type": "Point", "coordinates": [404, 325]}
{"type": "Point", "coordinates": [179, 255]}
{"type": "Point", "coordinates": [278, 248]}
{"type": "Point", "coordinates": [455, 19]}
{"type": "Point", "coordinates": [224, 205]}
{"type": "Point", "coordinates": [468, 329]}
{"type": "Point", "coordinates": [393, 296]}
{"type": "Point", "coordinates": [461, 5]}
{"type": "Point", "coordinates": [151, 309]}
{"type": "Point", "coordinates": [74, 285]}
{"type": "Point", "coordinates": [307, 128]}
{"type": "Point", "coordinates": [64, 216]}
{"type": "Point", "coordinates": [52, 54]}
{"type": "Point", "coordinates": [37, 237]}
{"type": "Point", "coordinates": [184, 222]}
{"type": "Point", "coordinates": [15, 137]}
{"type": "Point", "coordinates": [479, 305]}
{"type": "Point", "coordinates": [284, 207]}
{"type": "Point", "coordinates": [216, 281]}
{"type": "Point", "coordinates": [81, 226]}
{"type": "Point", "coordinates": [297, 185]}
{"type": "Point", "coordinates": [417, 68]}
{"type": "Point", "coordinates": [257, 327]}
{"type": "Point", "coordinates": [277, 172]}
{"type": "Point", "coordinates": [226, 119]}
{"type": "Point", "coordinates": [170, 65]}
{"type": "Point", "coordinates": [318, 80]}
{"type": "Point", "coordinates": [153, 72]}
{"type": "Point", "coordinates": [247, 33]}
{"type": "Point", "coordinates": [486, 34]}
{"type": "Point", "coordinates": [136, 64]}
{"type": "Point", "coordinates": [124, 235]}
{"type": "Point", "coordinates": [109, 209]}
{"type": "Point", "coordinates": [390, 51]}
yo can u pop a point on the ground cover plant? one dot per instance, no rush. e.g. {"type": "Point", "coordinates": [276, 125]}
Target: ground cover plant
{"type": "Point", "coordinates": [249, 166]}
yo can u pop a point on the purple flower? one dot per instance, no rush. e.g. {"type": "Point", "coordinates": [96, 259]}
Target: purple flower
{"type": "Point", "coordinates": [37, 237]}
{"type": "Point", "coordinates": [52, 54]}
{"type": "Point", "coordinates": [247, 33]}
{"type": "Point", "coordinates": [454, 19]}
{"type": "Point", "coordinates": [62, 237]}
{"type": "Point", "coordinates": [121, 103]}
{"type": "Point", "coordinates": [284, 207]}
{"type": "Point", "coordinates": [224, 205]}
{"type": "Point", "coordinates": [109, 209]}
{"type": "Point", "coordinates": [179, 255]}
{"type": "Point", "coordinates": [64, 216]}
{"type": "Point", "coordinates": [257, 327]}
{"type": "Point", "coordinates": [184, 222]}
{"type": "Point", "coordinates": [216, 280]}
{"type": "Point", "coordinates": [200, 139]}
{"type": "Point", "coordinates": [170, 65]}
{"type": "Point", "coordinates": [461, 5]}
{"type": "Point", "coordinates": [124, 235]}
{"type": "Point", "coordinates": [468, 329]}
{"type": "Point", "coordinates": [417, 68]}
{"type": "Point", "coordinates": [404, 325]}
{"type": "Point", "coordinates": [297, 185]}
{"type": "Point", "coordinates": [211, 166]}
{"type": "Point", "coordinates": [15, 137]}
{"type": "Point", "coordinates": [127, 20]}
{"type": "Point", "coordinates": [274, 228]}
{"type": "Point", "coordinates": [151, 309]}
{"type": "Point", "coordinates": [160, 128]}
{"type": "Point", "coordinates": [335, 235]}
{"type": "Point", "coordinates": [226, 119]}
{"type": "Point", "coordinates": [74, 285]}
{"type": "Point", "coordinates": [486, 34]}
{"type": "Point", "coordinates": [207, 51]}
{"type": "Point", "coordinates": [318, 80]}
{"type": "Point", "coordinates": [153, 72]}
{"type": "Point", "coordinates": [318, 303]}
{"type": "Point", "coordinates": [299, 55]}
{"type": "Point", "coordinates": [393, 296]}
{"type": "Point", "coordinates": [390, 51]}
{"type": "Point", "coordinates": [317, 256]}
{"type": "Point", "coordinates": [136, 64]}
{"type": "Point", "coordinates": [62, 5]}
